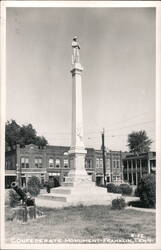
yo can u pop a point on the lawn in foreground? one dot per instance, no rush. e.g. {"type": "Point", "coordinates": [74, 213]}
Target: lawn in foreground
{"type": "Point", "coordinates": [83, 222]}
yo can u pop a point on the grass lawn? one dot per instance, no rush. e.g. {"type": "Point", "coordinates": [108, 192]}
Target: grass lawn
{"type": "Point", "coordinates": [83, 222]}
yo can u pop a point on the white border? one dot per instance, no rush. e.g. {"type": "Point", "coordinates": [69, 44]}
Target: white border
{"type": "Point", "coordinates": [86, 4]}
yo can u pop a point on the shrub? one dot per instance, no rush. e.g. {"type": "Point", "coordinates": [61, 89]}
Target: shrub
{"type": "Point", "coordinates": [126, 189]}
{"type": "Point", "coordinates": [33, 186]}
{"type": "Point", "coordinates": [118, 203]}
{"type": "Point", "coordinates": [117, 190]}
{"type": "Point", "coordinates": [137, 203]}
{"type": "Point", "coordinates": [112, 188]}
{"type": "Point", "coordinates": [14, 198]}
{"type": "Point", "coordinates": [147, 190]}
{"type": "Point", "coordinates": [136, 192]}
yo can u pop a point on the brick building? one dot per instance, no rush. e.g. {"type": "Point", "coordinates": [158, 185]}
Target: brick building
{"type": "Point", "coordinates": [135, 166]}
{"type": "Point", "coordinates": [53, 163]}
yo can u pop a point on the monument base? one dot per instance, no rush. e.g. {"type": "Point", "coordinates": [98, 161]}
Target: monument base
{"type": "Point", "coordinates": [72, 196]}
{"type": "Point", "coordinates": [78, 187]}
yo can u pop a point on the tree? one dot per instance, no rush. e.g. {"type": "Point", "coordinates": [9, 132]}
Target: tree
{"type": "Point", "coordinates": [27, 135]}
{"type": "Point", "coordinates": [138, 142]}
{"type": "Point", "coordinates": [41, 141]}
{"type": "Point", "coordinates": [12, 134]}
{"type": "Point", "coordinates": [22, 135]}
{"type": "Point", "coordinates": [147, 190]}
{"type": "Point", "coordinates": [33, 185]}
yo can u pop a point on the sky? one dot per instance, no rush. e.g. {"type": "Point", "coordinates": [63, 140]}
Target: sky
{"type": "Point", "coordinates": [118, 82]}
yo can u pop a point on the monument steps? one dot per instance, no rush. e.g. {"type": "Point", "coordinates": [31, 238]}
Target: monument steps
{"type": "Point", "coordinates": [68, 184]}
{"type": "Point", "coordinates": [54, 197]}
{"type": "Point", "coordinates": [85, 194]}
{"type": "Point", "coordinates": [61, 190]}
{"type": "Point", "coordinates": [69, 178]}
{"type": "Point", "coordinates": [75, 199]}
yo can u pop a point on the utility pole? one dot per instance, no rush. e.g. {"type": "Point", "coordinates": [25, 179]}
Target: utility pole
{"type": "Point", "coordinates": [103, 155]}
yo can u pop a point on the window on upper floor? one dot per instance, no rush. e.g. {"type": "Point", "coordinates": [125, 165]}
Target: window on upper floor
{"type": "Point", "coordinates": [51, 163]}
{"type": "Point", "coordinates": [99, 163]}
{"type": "Point", "coordinates": [57, 163]}
{"type": "Point", "coordinates": [38, 162]}
{"type": "Point", "coordinates": [89, 163]}
{"type": "Point", "coordinates": [107, 163]}
{"type": "Point", "coordinates": [66, 163]}
{"type": "Point", "coordinates": [9, 165]}
{"type": "Point", "coordinates": [118, 163]}
{"type": "Point", "coordinates": [24, 162]}
{"type": "Point", "coordinates": [114, 163]}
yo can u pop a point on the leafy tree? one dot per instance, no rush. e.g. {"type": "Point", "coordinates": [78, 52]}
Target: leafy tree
{"type": "Point", "coordinates": [41, 141]}
{"type": "Point", "coordinates": [12, 134]}
{"type": "Point", "coordinates": [27, 135]}
{"type": "Point", "coordinates": [34, 185]}
{"type": "Point", "coordinates": [138, 142]}
{"type": "Point", "coordinates": [147, 190]}
{"type": "Point", "coordinates": [22, 135]}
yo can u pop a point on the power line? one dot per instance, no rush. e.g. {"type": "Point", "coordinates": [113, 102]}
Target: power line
{"type": "Point", "coordinates": [67, 134]}
{"type": "Point", "coordinates": [141, 123]}
{"type": "Point", "coordinates": [130, 118]}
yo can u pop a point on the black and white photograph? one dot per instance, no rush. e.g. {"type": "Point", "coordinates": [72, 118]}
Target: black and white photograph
{"type": "Point", "coordinates": [80, 165]}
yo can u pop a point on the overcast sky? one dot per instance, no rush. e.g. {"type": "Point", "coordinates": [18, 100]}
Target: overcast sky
{"type": "Point", "coordinates": [118, 81]}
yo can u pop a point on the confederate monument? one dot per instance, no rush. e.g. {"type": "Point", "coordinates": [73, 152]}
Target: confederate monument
{"type": "Point", "coordinates": [78, 186]}
{"type": "Point", "coordinates": [77, 151]}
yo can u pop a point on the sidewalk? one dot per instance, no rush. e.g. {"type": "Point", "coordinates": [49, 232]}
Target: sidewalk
{"type": "Point", "coordinates": [149, 210]}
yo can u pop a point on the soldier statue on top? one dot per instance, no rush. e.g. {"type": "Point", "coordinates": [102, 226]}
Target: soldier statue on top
{"type": "Point", "coordinates": [76, 48]}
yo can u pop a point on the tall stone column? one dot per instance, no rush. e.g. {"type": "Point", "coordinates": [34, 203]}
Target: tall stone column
{"type": "Point", "coordinates": [132, 172]}
{"type": "Point", "coordinates": [136, 168]}
{"type": "Point", "coordinates": [148, 166]}
{"type": "Point", "coordinates": [77, 144]}
{"type": "Point", "coordinates": [141, 173]}
{"type": "Point", "coordinates": [127, 170]}
{"type": "Point", "coordinates": [77, 150]}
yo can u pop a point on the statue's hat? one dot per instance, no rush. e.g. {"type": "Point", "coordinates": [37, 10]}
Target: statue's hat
{"type": "Point", "coordinates": [75, 37]}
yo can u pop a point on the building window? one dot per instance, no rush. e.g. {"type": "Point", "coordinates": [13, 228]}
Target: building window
{"type": "Point", "coordinates": [27, 162]}
{"type": "Point", "coordinates": [57, 163]}
{"type": "Point", "coordinates": [38, 162]}
{"type": "Point", "coordinates": [99, 163]}
{"type": "Point", "coordinates": [66, 164]}
{"type": "Point", "coordinates": [89, 163]}
{"type": "Point", "coordinates": [108, 164]}
{"type": "Point", "coordinates": [24, 162]}
{"type": "Point", "coordinates": [8, 165]}
{"type": "Point", "coordinates": [114, 178]}
{"type": "Point", "coordinates": [117, 178]}
{"type": "Point", "coordinates": [42, 179]}
{"type": "Point", "coordinates": [116, 163]}
{"type": "Point", "coordinates": [51, 163]}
